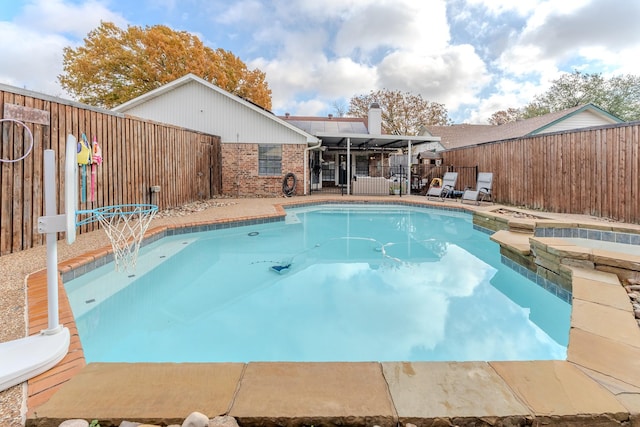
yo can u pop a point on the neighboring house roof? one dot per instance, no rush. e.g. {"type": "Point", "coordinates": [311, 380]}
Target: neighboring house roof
{"type": "Point", "coordinates": [582, 116]}
{"type": "Point", "coordinates": [197, 104]}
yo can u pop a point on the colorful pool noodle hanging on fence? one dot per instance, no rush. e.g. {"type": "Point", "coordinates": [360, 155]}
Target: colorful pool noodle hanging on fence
{"type": "Point", "coordinates": [96, 159]}
{"type": "Point", "coordinates": [88, 154]}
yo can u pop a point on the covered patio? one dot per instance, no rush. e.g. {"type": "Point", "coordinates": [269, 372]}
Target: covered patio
{"type": "Point", "coordinates": [362, 163]}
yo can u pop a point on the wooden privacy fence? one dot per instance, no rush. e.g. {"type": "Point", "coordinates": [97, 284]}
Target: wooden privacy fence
{"type": "Point", "coordinates": [137, 154]}
{"type": "Point", "coordinates": [592, 171]}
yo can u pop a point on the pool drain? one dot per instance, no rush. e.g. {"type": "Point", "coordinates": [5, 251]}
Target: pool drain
{"type": "Point", "coordinates": [253, 233]}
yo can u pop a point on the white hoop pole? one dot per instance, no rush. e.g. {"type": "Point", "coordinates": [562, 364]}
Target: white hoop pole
{"type": "Point", "coordinates": [52, 241]}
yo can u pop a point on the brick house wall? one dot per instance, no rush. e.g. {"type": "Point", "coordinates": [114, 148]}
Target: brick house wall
{"type": "Point", "coordinates": [240, 170]}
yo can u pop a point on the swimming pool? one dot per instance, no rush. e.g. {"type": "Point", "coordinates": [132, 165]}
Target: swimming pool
{"type": "Point", "coordinates": [357, 283]}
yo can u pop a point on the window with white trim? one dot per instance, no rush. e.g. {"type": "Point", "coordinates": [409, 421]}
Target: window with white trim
{"type": "Point", "coordinates": [270, 160]}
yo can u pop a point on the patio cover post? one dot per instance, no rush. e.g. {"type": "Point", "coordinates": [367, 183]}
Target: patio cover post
{"type": "Point", "coordinates": [408, 167]}
{"type": "Point", "coordinates": [348, 165]}
{"type": "Point", "coordinates": [306, 163]}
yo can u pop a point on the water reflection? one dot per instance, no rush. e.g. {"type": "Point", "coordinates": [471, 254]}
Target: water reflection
{"type": "Point", "coordinates": [421, 287]}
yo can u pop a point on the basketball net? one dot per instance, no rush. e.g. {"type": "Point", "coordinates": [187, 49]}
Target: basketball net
{"type": "Point", "coordinates": [125, 226]}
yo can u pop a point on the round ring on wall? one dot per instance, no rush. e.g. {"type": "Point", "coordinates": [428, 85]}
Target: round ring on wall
{"type": "Point", "coordinates": [30, 144]}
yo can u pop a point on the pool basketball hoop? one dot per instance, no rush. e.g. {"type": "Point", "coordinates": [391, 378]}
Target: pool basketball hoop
{"type": "Point", "coordinates": [125, 226]}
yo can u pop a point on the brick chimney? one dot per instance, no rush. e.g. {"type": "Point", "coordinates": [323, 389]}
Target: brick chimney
{"type": "Point", "coordinates": [375, 119]}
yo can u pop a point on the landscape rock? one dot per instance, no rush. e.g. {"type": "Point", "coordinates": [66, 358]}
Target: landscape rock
{"type": "Point", "coordinates": [223, 421]}
{"type": "Point", "coordinates": [74, 423]}
{"type": "Point", "coordinates": [196, 419]}
{"type": "Point", "coordinates": [197, 206]}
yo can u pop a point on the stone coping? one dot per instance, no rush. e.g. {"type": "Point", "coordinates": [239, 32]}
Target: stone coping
{"type": "Point", "coordinates": [598, 383]}
{"type": "Point", "coordinates": [608, 235]}
{"type": "Point", "coordinates": [547, 224]}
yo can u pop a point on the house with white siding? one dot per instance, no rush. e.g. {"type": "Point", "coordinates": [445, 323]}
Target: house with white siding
{"type": "Point", "coordinates": [463, 135]}
{"type": "Point", "coordinates": [258, 148]}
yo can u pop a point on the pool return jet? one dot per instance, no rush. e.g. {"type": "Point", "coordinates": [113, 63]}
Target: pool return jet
{"type": "Point", "coordinates": [24, 358]}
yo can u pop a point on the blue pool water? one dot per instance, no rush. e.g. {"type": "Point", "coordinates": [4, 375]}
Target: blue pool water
{"type": "Point", "coordinates": [371, 283]}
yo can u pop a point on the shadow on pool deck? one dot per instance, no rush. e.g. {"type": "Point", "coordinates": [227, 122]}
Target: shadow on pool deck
{"type": "Point", "coordinates": [598, 384]}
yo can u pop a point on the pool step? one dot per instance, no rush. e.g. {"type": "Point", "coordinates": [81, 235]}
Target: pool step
{"type": "Point", "coordinates": [514, 240]}
{"type": "Point", "coordinates": [84, 297]}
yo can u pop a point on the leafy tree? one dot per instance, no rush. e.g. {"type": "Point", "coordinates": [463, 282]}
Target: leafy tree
{"type": "Point", "coordinates": [115, 65]}
{"type": "Point", "coordinates": [505, 116]}
{"type": "Point", "coordinates": [618, 95]}
{"type": "Point", "coordinates": [534, 109]}
{"type": "Point", "coordinates": [402, 113]}
{"type": "Point", "coordinates": [624, 97]}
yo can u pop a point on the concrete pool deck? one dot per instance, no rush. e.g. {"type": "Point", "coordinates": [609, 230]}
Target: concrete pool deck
{"type": "Point", "coordinates": [598, 384]}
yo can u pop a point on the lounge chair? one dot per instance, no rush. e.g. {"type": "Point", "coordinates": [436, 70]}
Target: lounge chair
{"type": "Point", "coordinates": [448, 185]}
{"type": "Point", "coordinates": [483, 189]}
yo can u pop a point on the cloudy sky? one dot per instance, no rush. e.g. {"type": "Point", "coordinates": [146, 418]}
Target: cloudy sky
{"type": "Point", "coordinates": [474, 56]}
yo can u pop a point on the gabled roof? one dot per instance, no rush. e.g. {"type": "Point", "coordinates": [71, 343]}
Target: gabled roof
{"type": "Point", "coordinates": [123, 108]}
{"type": "Point", "coordinates": [572, 112]}
{"type": "Point", "coordinates": [456, 136]}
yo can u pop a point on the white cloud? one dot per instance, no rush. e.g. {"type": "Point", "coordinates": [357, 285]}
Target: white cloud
{"type": "Point", "coordinates": [623, 61]}
{"type": "Point", "coordinates": [496, 102]}
{"type": "Point", "coordinates": [579, 31]}
{"type": "Point", "coordinates": [245, 12]}
{"type": "Point", "coordinates": [523, 59]}
{"type": "Point", "coordinates": [39, 69]}
{"type": "Point", "coordinates": [559, 31]}
{"type": "Point", "coordinates": [344, 76]}
{"type": "Point", "coordinates": [376, 45]}
{"type": "Point", "coordinates": [453, 76]}
{"type": "Point", "coordinates": [62, 17]}
{"type": "Point", "coordinates": [498, 7]}
{"type": "Point", "coordinates": [546, 9]}
{"type": "Point", "coordinates": [328, 80]}
{"type": "Point", "coordinates": [313, 107]}
{"type": "Point", "coordinates": [406, 26]}
{"type": "Point", "coordinates": [42, 30]}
